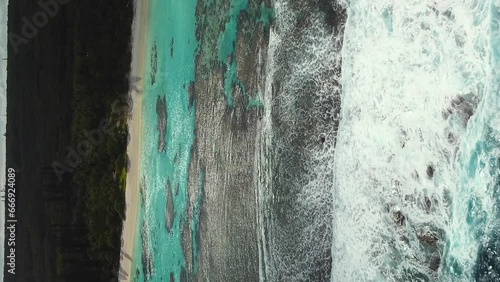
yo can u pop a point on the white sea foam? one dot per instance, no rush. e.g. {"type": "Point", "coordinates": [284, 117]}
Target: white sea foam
{"type": "Point", "coordinates": [403, 64]}
{"type": "Point", "coordinates": [299, 68]}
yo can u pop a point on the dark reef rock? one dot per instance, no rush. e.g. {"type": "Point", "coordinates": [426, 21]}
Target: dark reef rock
{"type": "Point", "coordinates": [184, 275]}
{"type": "Point", "coordinates": [463, 106]}
{"type": "Point", "coordinates": [428, 237]}
{"type": "Point", "coordinates": [142, 190]}
{"type": "Point", "coordinates": [430, 171]}
{"type": "Point", "coordinates": [322, 139]}
{"type": "Point", "coordinates": [427, 205]}
{"type": "Point", "coordinates": [192, 94]}
{"type": "Point", "coordinates": [172, 48]}
{"type": "Point", "coordinates": [187, 247]}
{"type": "Point", "coordinates": [154, 63]}
{"type": "Point", "coordinates": [435, 263]}
{"type": "Point", "coordinates": [170, 209]}
{"type": "Point", "coordinates": [452, 139]}
{"type": "Point", "coordinates": [161, 112]}
{"type": "Point", "coordinates": [147, 263]}
{"type": "Point", "coordinates": [398, 218]}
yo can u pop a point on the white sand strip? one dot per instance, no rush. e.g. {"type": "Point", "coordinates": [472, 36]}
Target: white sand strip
{"type": "Point", "coordinates": [132, 193]}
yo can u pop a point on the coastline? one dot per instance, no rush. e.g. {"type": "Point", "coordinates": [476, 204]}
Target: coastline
{"type": "Point", "coordinates": [132, 192]}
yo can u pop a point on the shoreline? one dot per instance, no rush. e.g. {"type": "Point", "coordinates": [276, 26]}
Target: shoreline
{"type": "Point", "coordinates": [132, 192]}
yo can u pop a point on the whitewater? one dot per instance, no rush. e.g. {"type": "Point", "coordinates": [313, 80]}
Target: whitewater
{"type": "Point", "coordinates": [294, 164]}
{"type": "Point", "coordinates": [416, 166]}
{"type": "Point", "coordinates": [387, 125]}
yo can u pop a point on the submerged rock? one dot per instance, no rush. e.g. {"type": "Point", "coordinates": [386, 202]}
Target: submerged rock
{"type": "Point", "coordinates": [427, 204]}
{"type": "Point", "coordinates": [154, 63]}
{"type": "Point", "coordinates": [192, 93]}
{"type": "Point", "coordinates": [184, 275]}
{"type": "Point", "coordinates": [435, 262]}
{"type": "Point", "coordinates": [452, 139]}
{"type": "Point", "coordinates": [142, 190]}
{"type": "Point", "coordinates": [322, 139]}
{"type": "Point", "coordinates": [428, 237]}
{"type": "Point", "coordinates": [462, 106]}
{"type": "Point", "coordinates": [398, 218]}
{"type": "Point", "coordinates": [430, 171]}
{"type": "Point", "coordinates": [147, 263]}
{"type": "Point", "coordinates": [187, 247]}
{"type": "Point", "coordinates": [172, 48]}
{"type": "Point", "coordinates": [161, 112]}
{"type": "Point", "coordinates": [170, 210]}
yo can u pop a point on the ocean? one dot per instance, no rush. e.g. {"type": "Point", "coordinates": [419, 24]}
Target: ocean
{"type": "Point", "coordinates": [320, 141]}
{"type": "Point", "coordinates": [418, 143]}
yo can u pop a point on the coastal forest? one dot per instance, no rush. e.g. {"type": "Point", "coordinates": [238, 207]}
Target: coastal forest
{"type": "Point", "coordinates": [68, 107]}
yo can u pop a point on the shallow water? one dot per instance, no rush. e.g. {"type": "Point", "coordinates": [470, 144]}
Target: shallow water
{"type": "Point", "coordinates": [172, 49]}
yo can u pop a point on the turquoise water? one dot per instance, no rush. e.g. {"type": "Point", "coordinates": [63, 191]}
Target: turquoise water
{"type": "Point", "coordinates": [172, 28]}
{"type": "Point", "coordinates": [172, 48]}
{"type": "Point", "coordinates": [227, 45]}
{"type": "Point", "coordinates": [479, 192]}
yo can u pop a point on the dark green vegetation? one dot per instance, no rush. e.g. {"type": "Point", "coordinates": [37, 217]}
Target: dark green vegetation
{"type": "Point", "coordinates": [64, 84]}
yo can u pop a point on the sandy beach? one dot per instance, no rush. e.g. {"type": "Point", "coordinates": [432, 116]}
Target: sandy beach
{"type": "Point", "coordinates": [132, 193]}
